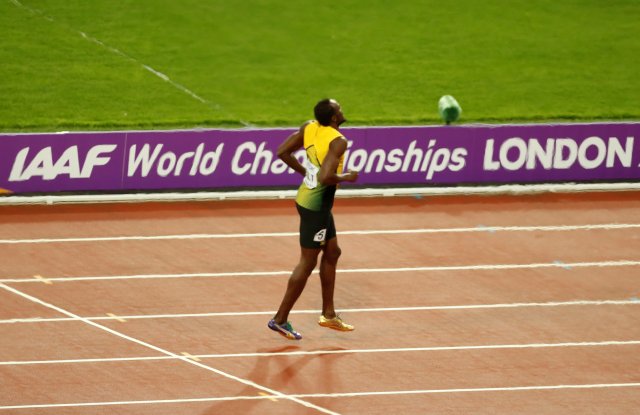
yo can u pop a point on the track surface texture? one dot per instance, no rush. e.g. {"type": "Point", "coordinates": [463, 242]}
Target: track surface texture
{"type": "Point", "coordinates": [483, 305]}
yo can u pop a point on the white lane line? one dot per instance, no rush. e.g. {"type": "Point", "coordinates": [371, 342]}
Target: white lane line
{"type": "Point", "coordinates": [90, 360]}
{"type": "Point", "coordinates": [487, 229]}
{"type": "Point", "coordinates": [168, 353]}
{"type": "Point", "coordinates": [332, 395]}
{"type": "Point", "coordinates": [198, 357]}
{"type": "Point", "coordinates": [482, 267]}
{"type": "Point", "coordinates": [466, 390]}
{"type": "Point", "coordinates": [345, 310]}
{"type": "Point", "coordinates": [157, 276]}
{"type": "Point", "coordinates": [147, 402]}
{"type": "Point", "coordinates": [42, 279]}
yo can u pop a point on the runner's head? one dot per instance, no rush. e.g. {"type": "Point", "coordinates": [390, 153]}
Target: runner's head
{"type": "Point", "coordinates": [329, 113]}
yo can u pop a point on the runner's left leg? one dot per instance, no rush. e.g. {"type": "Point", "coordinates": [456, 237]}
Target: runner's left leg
{"type": "Point", "coordinates": [328, 265]}
{"type": "Point", "coordinates": [297, 282]}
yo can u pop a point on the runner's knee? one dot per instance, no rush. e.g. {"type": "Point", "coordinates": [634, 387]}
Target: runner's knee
{"type": "Point", "coordinates": [308, 263]}
{"type": "Point", "coordinates": [332, 254]}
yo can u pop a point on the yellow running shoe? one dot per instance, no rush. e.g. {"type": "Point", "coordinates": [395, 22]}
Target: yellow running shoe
{"type": "Point", "coordinates": [335, 323]}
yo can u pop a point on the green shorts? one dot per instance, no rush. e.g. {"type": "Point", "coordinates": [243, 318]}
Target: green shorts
{"type": "Point", "coordinates": [316, 228]}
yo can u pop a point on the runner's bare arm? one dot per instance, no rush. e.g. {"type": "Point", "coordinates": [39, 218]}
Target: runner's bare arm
{"type": "Point", "coordinates": [294, 142]}
{"type": "Point", "coordinates": [327, 175]}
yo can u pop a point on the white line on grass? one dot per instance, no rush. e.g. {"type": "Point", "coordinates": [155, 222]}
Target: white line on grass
{"type": "Point", "coordinates": [118, 52]}
{"type": "Point", "coordinates": [342, 351]}
{"type": "Point", "coordinates": [346, 310]}
{"type": "Point", "coordinates": [483, 267]}
{"type": "Point", "coordinates": [332, 395]}
{"type": "Point", "coordinates": [185, 359]}
{"type": "Point", "coordinates": [488, 229]}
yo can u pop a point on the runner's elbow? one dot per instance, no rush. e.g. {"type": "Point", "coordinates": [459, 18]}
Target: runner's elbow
{"type": "Point", "coordinates": [283, 154]}
{"type": "Point", "coordinates": [324, 179]}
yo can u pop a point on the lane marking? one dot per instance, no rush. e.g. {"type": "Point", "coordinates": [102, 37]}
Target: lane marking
{"type": "Point", "coordinates": [466, 390]}
{"type": "Point", "coordinates": [562, 264]}
{"type": "Point", "coordinates": [491, 229]}
{"type": "Point", "coordinates": [88, 360]}
{"type": "Point", "coordinates": [333, 395]}
{"type": "Point", "coordinates": [158, 276]}
{"type": "Point", "coordinates": [482, 267]}
{"type": "Point", "coordinates": [199, 357]}
{"type": "Point", "coordinates": [168, 353]}
{"type": "Point", "coordinates": [271, 398]}
{"type": "Point", "coordinates": [40, 278]}
{"type": "Point", "coordinates": [146, 402]}
{"type": "Point", "coordinates": [512, 190]}
{"type": "Point", "coordinates": [630, 301]}
{"type": "Point", "coordinates": [189, 356]}
{"type": "Point", "coordinates": [485, 228]}
{"type": "Point", "coordinates": [115, 317]}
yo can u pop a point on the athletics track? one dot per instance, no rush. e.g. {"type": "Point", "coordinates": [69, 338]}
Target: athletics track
{"type": "Point", "coordinates": [476, 304]}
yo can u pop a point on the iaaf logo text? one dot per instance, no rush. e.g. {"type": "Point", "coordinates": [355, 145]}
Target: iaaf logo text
{"type": "Point", "coordinates": [68, 163]}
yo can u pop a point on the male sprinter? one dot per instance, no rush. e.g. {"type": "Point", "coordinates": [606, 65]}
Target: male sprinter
{"type": "Point", "coordinates": [325, 148]}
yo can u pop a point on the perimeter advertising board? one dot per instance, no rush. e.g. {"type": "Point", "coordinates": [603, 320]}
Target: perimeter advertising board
{"type": "Point", "coordinates": [393, 156]}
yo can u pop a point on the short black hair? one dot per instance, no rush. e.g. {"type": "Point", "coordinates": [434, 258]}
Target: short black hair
{"type": "Point", "coordinates": [324, 111]}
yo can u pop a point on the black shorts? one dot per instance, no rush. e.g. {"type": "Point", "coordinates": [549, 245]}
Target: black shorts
{"type": "Point", "coordinates": [316, 228]}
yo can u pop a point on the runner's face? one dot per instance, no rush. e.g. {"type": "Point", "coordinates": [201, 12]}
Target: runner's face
{"type": "Point", "coordinates": [339, 116]}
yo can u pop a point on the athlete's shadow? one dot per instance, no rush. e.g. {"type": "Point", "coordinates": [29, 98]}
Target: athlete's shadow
{"type": "Point", "coordinates": [283, 373]}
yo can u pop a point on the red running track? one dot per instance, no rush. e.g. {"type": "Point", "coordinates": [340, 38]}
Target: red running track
{"type": "Point", "coordinates": [495, 305]}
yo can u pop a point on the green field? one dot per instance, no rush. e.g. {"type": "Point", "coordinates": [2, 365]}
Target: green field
{"type": "Point", "coordinates": [266, 63]}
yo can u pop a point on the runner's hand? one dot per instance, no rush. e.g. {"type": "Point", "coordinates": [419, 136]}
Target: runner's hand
{"type": "Point", "coordinates": [352, 176]}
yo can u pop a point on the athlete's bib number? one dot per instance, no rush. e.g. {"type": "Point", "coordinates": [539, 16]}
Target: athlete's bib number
{"type": "Point", "coordinates": [311, 178]}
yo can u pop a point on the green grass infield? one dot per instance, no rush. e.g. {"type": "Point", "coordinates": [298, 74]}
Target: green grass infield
{"type": "Point", "coordinates": [156, 64]}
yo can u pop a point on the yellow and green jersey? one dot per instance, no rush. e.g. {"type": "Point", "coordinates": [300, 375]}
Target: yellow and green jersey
{"type": "Point", "coordinates": [311, 194]}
